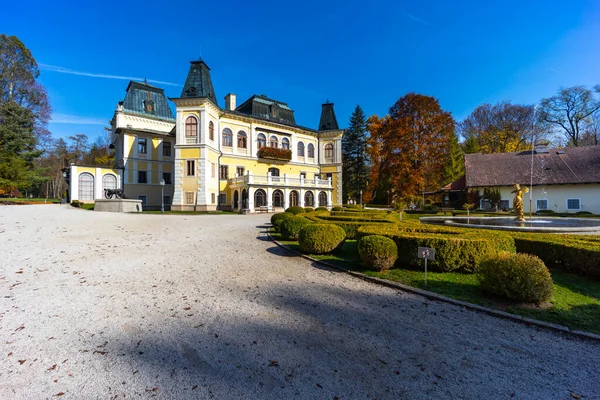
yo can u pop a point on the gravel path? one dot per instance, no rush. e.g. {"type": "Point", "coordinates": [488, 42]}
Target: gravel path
{"type": "Point", "coordinates": [101, 305]}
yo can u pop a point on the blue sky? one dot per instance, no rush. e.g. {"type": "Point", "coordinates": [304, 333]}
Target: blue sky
{"type": "Point", "coordinates": [351, 52]}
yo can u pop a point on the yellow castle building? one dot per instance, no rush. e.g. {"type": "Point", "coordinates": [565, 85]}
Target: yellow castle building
{"type": "Point", "coordinates": [246, 158]}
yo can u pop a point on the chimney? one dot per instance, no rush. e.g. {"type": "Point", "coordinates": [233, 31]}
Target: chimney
{"type": "Point", "coordinates": [230, 102]}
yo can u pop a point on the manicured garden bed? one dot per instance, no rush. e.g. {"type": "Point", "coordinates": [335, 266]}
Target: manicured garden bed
{"type": "Point", "coordinates": [575, 302]}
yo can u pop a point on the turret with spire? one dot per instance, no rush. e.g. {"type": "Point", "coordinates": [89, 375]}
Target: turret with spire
{"type": "Point", "coordinates": [328, 120]}
{"type": "Point", "coordinates": [198, 83]}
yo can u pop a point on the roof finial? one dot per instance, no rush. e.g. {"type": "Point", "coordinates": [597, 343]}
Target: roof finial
{"type": "Point", "coordinates": [145, 81]}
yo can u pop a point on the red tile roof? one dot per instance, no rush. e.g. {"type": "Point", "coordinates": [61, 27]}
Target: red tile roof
{"type": "Point", "coordinates": [559, 166]}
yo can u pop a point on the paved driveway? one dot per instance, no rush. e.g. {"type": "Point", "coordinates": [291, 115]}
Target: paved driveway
{"type": "Point", "coordinates": [100, 305]}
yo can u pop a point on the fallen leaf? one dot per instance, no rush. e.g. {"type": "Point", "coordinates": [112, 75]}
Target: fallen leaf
{"type": "Point", "coordinates": [10, 354]}
{"type": "Point", "coordinates": [59, 394]}
{"type": "Point", "coordinates": [187, 308]}
{"type": "Point", "coordinates": [575, 396]}
{"type": "Point", "coordinates": [22, 361]}
{"type": "Point", "coordinates": [52, 368]}
{"type": "Point", "coordinates": [273, 363]}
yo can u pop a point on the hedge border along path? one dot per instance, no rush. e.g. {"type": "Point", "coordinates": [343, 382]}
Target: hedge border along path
{"type": "Point", "coordinates": [434, 296]}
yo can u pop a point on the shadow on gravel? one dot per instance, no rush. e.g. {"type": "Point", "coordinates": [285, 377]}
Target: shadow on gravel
{"type": "Point", "coordinates": [267, 227]}
{"type": "Point", "coordinates": [279, 251]}
{"type": "Point", "coordinates": [325, 341]}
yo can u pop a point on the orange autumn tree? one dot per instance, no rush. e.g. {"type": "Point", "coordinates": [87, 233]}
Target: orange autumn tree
{"type": "Point", "coordinates": [407, 148]}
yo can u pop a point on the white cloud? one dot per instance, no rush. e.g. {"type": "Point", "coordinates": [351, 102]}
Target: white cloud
{"type": "Point", "coordinates": [419, 20]}
{"type": "Point", "coordinates": [62, 70]}
{"type": "Point", "coordinates": [75, 119]}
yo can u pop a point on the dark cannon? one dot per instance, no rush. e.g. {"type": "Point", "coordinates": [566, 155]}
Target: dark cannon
{"type": "Point", "coordinates": [114, 194]}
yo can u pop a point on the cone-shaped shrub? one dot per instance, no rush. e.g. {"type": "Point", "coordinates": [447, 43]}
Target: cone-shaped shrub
{"type": "Point", "coordinates": [378, 252]}
{"type": "Point", "coordinates": [290, 227]}
{"type": "Point", "coordinates": [521, 277]}
{"type": "Point", "coordinates": [295, 210]}
{"type": "Point", "coordinates": [320, 238]}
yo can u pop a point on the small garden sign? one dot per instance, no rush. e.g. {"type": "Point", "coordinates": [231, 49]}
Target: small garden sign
{"type": "Point", "coordinates": [426, 253]}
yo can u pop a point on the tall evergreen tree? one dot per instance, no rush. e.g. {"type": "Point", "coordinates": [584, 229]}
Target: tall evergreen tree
{"type": "Point", "coordinates": [454, 167]}
{"type": "Point", "coordinates": [355, 173]}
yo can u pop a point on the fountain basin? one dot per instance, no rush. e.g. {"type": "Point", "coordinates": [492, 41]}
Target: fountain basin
{"type": "Point", "coordinates": [537, 224]}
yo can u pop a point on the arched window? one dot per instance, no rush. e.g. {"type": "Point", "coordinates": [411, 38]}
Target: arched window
{"type": "Point", "coordinates": [300, 149]}
{"type": "Point", "coordinates": [273, 142]}
{"type": "Point", "coordinates": [211, 130]}
{"type": "Point", "coordinates": [309, 199]}
{"type": "Point", "coordinates": [261, 140]}
{"type": "Point", "coordinates": [260, 198]}
{"type": "Point", "coordinates": [109, 181]}
{"type": "Point", "coordinates": [86, 187]}
{"type": "Point", "coordinates": [322, 199]}
{"type": "Point", "coordinates": [191, 127]}
{"type": "Point", "coordinates": [285, 143]}
{"type": "Point", "coordinates": [227, 137]}
{"type": "Point", "coordinates": [277, 198]}
{"type": "Point", "coordinates": [294, 198]}
{"type": "Point", "coordinates": [242, 140]}
{"type": "Point", "coordinates": [311, 151]}
{"type": "Point", "coordinates": [329, 150]}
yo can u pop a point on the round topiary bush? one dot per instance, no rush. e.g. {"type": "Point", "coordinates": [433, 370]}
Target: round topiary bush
{"type": "Point", "coordinates": [295, 210]}
{"type": "Point", "coordinates": [521, 277]}
{"type": "Point", "coordinates": [320, 238]}
{"type": "Point", "coordinates": [337, 209]}
{"type": "Point", "coordinates": [277, 219]}
{"type": "Point", "coordinates": [308, 209]}
{"type": "Point", "coordinates": [378, 252]}
{"type": "Point", "coordinates": [290, 227]}
{"type": "Point", "coordinates": [321, 209]}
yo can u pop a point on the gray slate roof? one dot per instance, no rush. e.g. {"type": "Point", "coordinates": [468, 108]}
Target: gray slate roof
{"type": "Point", "coordinates": [198, 83]}
{"type": "Point", "coordinates": [328, 120]}
{"type": "Point", "coordinates": [262, 107]}
{"type": "Point", "coordinates": [570, 165]}
{"type": "Point", "coordinates": [140, 95]}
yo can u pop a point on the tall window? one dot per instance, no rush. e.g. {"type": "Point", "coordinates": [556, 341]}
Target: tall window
{"type": "Point", "coordinates": [191, 127]}
{"type": "Point", "coordinates": [300, 149]}
{"type": "Point", "coordinates": [190, 168]}
{"type": "Point", "coordinates": [142, 177]}
{"type": "Point", "coordinates": [211, 130]}
{"type": "Point", "coordinates": [322, 199]}
{"type": "Point", "coordinates": [86, 187]}
{"type": "Point", "coordinates": [239, 171]}
{"type": "Point", "coordinates": [573, 204]}
{"type": "Point", "coordinates": [213, 170]}
{"type": "Point", "coordinates": [260, 198]}
{"type": "Point", "coordinates": [142, 146]}
{"type": "Point", "coordinates": [311, 151]}
{"type": "Point", "coordinates": [329, 150]}
{"type": "Point", "coordinates": [109, 181]}
{"type": "Point", "coordinates": [277, 198]}
{"type": "Point", "coordinates": [227, 137]}
{"type": "Point", "coordinates": [242, 140]}
{"type": "Point", "coordinates": [285, 143]}
{"type": "Point", "coordinates": [309, 199]}
{"type": "Point", "coordinates": [189, 197]}
{"type": "Point", "coordinates": [261, 140]}
{"type": "Point", "coordinates": [224, 172]}
{"type": "Point", "coordinates": [273, 142]}
{"type": "Point", "coordinates": [166, 149]}
{"type": "Point", "coordinates": [167, 178]}
{"type": "Point", "coordinates": [542, 204]}
{"type": "Point", "coordinates": [294, 198]}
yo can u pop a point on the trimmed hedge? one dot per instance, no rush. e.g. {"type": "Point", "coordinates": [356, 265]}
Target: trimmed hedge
{"type": "Point", "coordinates": [277, 219]}
{"type": "Point", "coordinates": [578, 255]}
{"type": "Point", "coordinates": [521, 277]}
{"type": "Point", "coordinates": [320, 238]}
{"type": "Point", "coordinates": [308, 209]}
{"type": "Point", "coordinates": [378, 252]}
{"type": "Point", "coordinates": [455, 249]}
{"type": "Point", "coordinates": [321, 209]}
{"type": "Point", "coordinates": [337, 208]}
{"type": "Point", "coordinates": [295, 210]}
{"type": "Point", "coordinates": [290, 227]}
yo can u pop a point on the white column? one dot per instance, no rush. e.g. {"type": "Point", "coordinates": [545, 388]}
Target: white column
{"type": "Point", "coordinates": [179, 131]}
{"type": "Point", "coordinates": [329, 203]}
{"type": "Point", "coordinates": [301, 199]}
{"type": "Point", "coordinates": [269, 179]}
{"type": "Point", "coordinates": [270, 197]}
{"type": "Point", "coordinates": [328, 181]}
{"type": "Point", "coordinates": [251, 199]}
{"type": "Point", "coordinates": [286, 198]}
{"type": "Point", "coordinates": [249, 176]}
{"type": "Point", "coordinates": [98, 193]}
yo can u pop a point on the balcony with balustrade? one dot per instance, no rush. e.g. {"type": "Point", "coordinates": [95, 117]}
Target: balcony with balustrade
{"type": "Point", "coordinates": [279, 181]}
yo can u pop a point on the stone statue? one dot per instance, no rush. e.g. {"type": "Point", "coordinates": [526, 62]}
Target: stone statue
{"type": "Point", "coordinates": [518, 201]}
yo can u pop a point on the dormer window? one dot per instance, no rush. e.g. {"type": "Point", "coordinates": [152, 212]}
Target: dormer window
{"type": "Point", "coordinates": [274, 111]}
{"type": "Point", "coordinates": [149, 106]}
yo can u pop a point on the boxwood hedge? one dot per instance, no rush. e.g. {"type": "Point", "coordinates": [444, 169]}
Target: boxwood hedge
{"type": "Point", "coordinates": [378, 252]}
{"type": "Point", "coordinates": [277, 219]}
{"type": "Point", "coordinates": [290, 227]}
{"type": "Point", "coordinates": [320, 238]}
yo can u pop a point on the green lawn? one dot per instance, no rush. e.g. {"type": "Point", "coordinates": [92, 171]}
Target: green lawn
{"type": "Point", "coordinates": [575, 304]}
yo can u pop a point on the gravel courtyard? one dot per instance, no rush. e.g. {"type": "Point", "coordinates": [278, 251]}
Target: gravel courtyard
{"type": "Point", "coordinates": [102, 305]}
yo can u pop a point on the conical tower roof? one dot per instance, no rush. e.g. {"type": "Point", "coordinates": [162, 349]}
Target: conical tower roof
{"type": "Point", "coordinates": [198, 83]}
{"type": "Point", "coordinates": [328, 120]}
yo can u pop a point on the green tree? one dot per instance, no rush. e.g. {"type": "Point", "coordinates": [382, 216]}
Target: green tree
{"type": "Point", "coordinates": [355, 173]}
{"type": "Point", "coordinates": [454, 166]}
